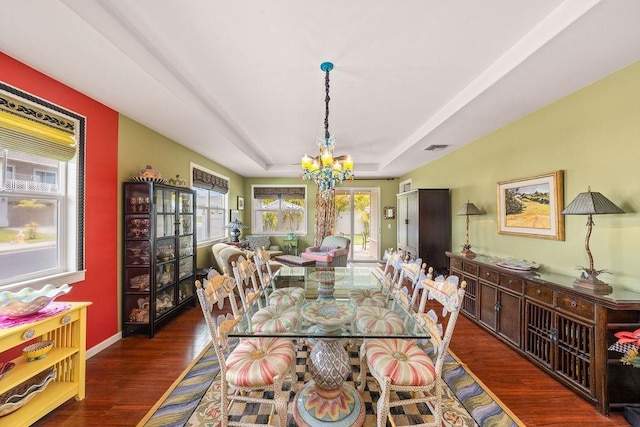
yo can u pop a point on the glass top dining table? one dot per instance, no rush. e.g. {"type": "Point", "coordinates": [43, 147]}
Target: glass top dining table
{"type": "Point", "coordinates": [328, 326]}
{"type": "Point", "coordinates": [322, 286]}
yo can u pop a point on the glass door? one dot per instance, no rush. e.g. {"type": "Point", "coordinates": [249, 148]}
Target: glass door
{"type": "Point", "coordinates": [357, 217]}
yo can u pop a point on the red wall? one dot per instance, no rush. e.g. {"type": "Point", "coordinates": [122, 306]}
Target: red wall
{"type": "Point", "coordinates": [101, 194]}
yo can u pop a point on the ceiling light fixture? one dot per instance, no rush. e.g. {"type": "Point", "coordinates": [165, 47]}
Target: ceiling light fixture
{"type": "Point", "coordinates": [326, 170]}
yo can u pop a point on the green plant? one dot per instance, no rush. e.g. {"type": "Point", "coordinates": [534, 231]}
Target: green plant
{"type": "Point", "coordinates": [32, 230]}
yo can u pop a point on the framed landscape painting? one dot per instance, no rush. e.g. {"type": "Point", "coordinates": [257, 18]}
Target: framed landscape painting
{"type": "Point", "coordinates": [531, 206]}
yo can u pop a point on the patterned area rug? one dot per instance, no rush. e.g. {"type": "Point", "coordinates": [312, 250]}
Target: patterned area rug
{"type": "Point", "coordinates": [193, 400]}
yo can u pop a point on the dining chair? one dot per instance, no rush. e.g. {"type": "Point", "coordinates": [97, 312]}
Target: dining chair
{"type": "Point", "coordinates": [245, 272]}
{"type": "Point", "coordinates": [267, 270]}
{"type": "Point", "coordinates": [289, 296]}
{"type": "Point", "coordinates": [419, 294]}
{"type": "Point", "coordinates": [401, 365]}
{"type": "Point", "coordinates": [254, 365]}
{"type": "Point", "coordinates": [279, 318]}
{"type": "Point", "coordinates": [219, 288]}
{"type": "Point", "coordinates": [367, 297]}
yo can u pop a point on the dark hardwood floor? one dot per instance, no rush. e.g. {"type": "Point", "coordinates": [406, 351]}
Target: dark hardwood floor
{"type": "Point", "coordinates": [125, 380]}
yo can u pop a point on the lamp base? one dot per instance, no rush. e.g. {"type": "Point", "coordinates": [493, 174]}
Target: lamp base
{"type": "Point", "coordinates": [467, 253]}
{"type": "Point", "coordinates": [590, 282]}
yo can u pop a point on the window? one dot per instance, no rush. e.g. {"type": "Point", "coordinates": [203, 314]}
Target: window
{"type": "Point", "coordinates": [46, 177]}
{"type": "Point", "coordinates": [211, 204]}
{"type": "Point", "coordinates": [279, 210]}
{"type": "Point", "coordinates": [41, 192]}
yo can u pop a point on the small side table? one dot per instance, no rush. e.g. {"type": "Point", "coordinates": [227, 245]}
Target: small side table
{"type": "Point", "coordinates": [202, 273]}
{"type": "Point", "coordinates": [291, 244]}
{"type": "Point", "coordinates": [242, 244]}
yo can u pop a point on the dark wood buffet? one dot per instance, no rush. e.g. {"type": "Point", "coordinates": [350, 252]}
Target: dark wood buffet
{"type": "Point", "coordinates": [563, 330]}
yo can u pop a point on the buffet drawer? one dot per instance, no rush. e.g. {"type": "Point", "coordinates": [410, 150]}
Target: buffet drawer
{"type": "Point", "coordinates": [577, 306]}
{"type": "Point", "coordinates": [472, 269]}
{"type": "Point", "coordinates": [455, 264]}
{"type": "Point", "coordinates": [514, 283]}
{"type": "Point", "coordinates": [539, 293]}
{"type": "Point", "coordinates": [489, 275]}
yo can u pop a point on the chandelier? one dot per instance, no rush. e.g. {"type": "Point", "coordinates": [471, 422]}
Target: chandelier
{"type": "Point", "coordinates": [326, 170]}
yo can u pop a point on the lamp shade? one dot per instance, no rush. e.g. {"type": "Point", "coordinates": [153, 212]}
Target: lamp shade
{"type": "Point", "coordinates": [591, 202]}
{"type": "Point", "coordinates": [236, 224]}
{"type": "Point", "coordinates": [469, 209]}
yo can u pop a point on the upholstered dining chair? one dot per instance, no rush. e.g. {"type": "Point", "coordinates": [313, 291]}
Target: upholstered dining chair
{"type": "Point", "coordinates": [254, 365]}
{"type": "Point", "coordinates": [400, 365]}
{"type": "Point", "coordinates": [221, 287]}
{"type": "Point", "coordinates": [267, 270]}
{"type": "Point", "coordinates": [245, 272]}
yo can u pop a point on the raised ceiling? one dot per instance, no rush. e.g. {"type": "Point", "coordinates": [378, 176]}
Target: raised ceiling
{"type": "Point", "coordinates": [240, 81]}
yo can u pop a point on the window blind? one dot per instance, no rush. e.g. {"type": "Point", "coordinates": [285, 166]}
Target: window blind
{"type": "Point", "coordinates": [279, 192]}
{"type": "Point", "coordinates": [26, 128]}
{"type": "Point", "coordinates": [202, 179]}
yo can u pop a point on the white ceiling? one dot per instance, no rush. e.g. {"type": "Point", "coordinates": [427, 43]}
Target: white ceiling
{"type": "Point", "coordinates": [240, 81]}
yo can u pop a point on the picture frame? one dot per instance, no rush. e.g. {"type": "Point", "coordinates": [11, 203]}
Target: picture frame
{"type": "Point", "coordinates": [234, 214]}
{"type": "Point", "coordinates": [389, 212]}
{"type": "Point", "coordinates": [532, 206]}
{"type": "Point", "coordinates": [240, 203]}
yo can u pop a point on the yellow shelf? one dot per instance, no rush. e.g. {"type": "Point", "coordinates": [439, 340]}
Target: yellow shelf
{"type": "Point", "coordinates": [44, 402]}
{"type": "Point", "coordinates": [68, 329]}
{"type": "Point", "coordinates": [25, 370]}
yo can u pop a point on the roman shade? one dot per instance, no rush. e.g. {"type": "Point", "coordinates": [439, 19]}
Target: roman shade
{"type": "Point", "coordinates": [29, 129]}
{"type": "Point", "coordinates": [279, 192]}
{"type": "Point", "coordinates": [202, 179]}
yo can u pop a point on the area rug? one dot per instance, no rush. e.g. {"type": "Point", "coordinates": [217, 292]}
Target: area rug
{"type": "Point", "coordinates": [193, 400]}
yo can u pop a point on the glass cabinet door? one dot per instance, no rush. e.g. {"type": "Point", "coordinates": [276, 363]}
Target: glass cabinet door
{"type": "Point", "coordinates": [186, 224]}
{"type": "Point", "coordinates": [185, 267]}
{"type": "Point", "coordinates": [186, 245]}
{"type": "Point", "coordinates": [186, 203]}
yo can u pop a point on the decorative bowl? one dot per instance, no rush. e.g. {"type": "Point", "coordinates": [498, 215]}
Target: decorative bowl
{"type": "Point", "coordinates": [5, 368]}
{"type": "Point", "coordinates": [37, 350]}
{"type": "Point", "coordinates": [29, 301]}
{"type": "Point", "coordinates": [149, 175]}
{"type": "Point", "coordinates": [18, 396]}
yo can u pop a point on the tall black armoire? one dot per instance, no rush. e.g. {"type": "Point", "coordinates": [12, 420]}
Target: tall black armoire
{"type": "Point", "coordinates": [424, 225]}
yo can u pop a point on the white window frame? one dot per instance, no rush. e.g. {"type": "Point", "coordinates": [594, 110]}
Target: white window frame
{"type": "Point", "coordinates": [254, 210]}
{"type": "Point", "coordinates": [225, 233]}
{"type": "Point", "coordinates": [71, 245]}
{"type": "Point", "coordinates": [46, 173]}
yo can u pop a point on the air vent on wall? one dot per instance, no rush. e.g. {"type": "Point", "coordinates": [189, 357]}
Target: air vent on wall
{"type": "Point", "coordinates": [435, 147]}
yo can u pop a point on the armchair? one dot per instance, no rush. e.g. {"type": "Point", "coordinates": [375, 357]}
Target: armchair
{"type": "Point", "coordinates": [258, 241]}
{"type": "Point", "coordinates": [332, 252]}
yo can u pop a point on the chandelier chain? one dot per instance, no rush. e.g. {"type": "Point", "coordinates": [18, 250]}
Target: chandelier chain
{"type": "Point", "coordinates": [326, 102]}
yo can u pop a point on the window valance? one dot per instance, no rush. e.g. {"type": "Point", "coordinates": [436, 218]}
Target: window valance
{"type": "Point", "coordinates": [202, 179]}
{"type": "Point", "coordinates": [279, 192]}
{"type": "Point", "coordinates": [29, 129]}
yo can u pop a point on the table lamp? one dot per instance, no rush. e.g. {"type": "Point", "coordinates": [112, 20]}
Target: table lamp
{"type": "Point", "coordinates": [591, 203]}
{"type": "Point", "coordinates": [468, 209]}
{"type": "Point", "coordinates": [235, 227]}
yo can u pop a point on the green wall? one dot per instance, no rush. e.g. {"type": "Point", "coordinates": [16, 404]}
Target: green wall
{"type": "Point", "coordinates": [592, 135]}
{"type": "Point", "coordinates": [388, 190]}
{"type": "Point", "coordinates": [140, 146]}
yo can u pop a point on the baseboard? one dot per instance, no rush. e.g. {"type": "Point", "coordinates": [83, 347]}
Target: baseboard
{"type": "Point", "coordinates": [104, 344]}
